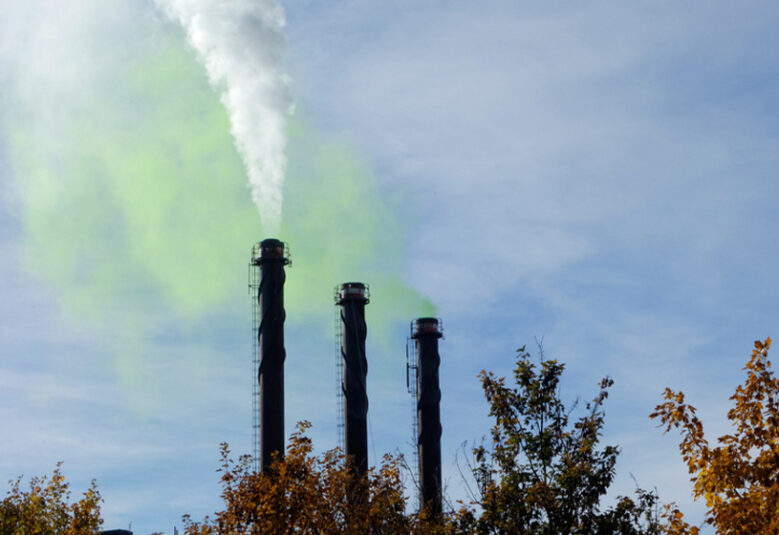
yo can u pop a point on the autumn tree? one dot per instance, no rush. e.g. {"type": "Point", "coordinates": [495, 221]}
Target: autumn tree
{"type": "Point", "coordinates": [46, 509]}
{"type": "Point", "coordinates": [738, 478]}
{"type": "Point", "coordinates": [543, 474]}
{"type": "Point", "coordinates": [304, 493]}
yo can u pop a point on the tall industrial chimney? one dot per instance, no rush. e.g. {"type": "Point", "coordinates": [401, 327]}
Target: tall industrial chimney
{"type": "Point", "coordinates": [426, 332]}
{"type": "Point", "coordinates": [271, 257]}
{"type": "Point", "coordinates": [352, 298]}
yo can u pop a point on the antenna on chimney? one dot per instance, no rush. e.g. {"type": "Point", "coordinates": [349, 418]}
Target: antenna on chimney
{"type": "Point", "coordinates": [339, 374]}
{"type": "Point", "coordinates": [412, 387]}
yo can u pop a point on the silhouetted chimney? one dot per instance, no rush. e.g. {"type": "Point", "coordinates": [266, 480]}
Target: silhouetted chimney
{"type": "Point", "coordinates": [352, 298]}
{"type": "Point", "coordinates": [272, 258]}
{"type": "Point", "coordinates": [426, 332]}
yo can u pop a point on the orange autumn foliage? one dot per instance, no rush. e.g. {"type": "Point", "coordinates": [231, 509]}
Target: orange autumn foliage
{"type": "Point", "coordinates": [739, 478]}
{"type": "Point", "coordinates": [46, 508]}
{"type": "Point", "coordinates": [303, 493]}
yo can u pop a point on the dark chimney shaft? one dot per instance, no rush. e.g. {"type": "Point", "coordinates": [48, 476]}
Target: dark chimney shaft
{"type": "Point", "coordinates": [352, 298]}
{"type": "Point", "coordinates": [426, 332]}
{"type": "Point", "coordinates": [272, 259]}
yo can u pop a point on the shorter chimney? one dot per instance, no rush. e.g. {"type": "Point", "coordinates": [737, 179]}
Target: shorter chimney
{"type": "Point", "coordinates": [352, 298]}
{"type": "Point", "coordinates": [426, 332]}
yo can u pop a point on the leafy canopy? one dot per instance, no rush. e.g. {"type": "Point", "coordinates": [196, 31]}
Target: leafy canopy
{"type": "Point", "coordinates": [543, 474]}
{"type": "Point", "coordinates": [304, 493]}
{"type": "Point", "coordinates": [739, 478]}
{"type": "Point", "coordinates": [46, 509]}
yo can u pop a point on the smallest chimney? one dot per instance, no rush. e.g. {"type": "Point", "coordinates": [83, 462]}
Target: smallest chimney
{"type": "Point", "coordinates": [426, 332]}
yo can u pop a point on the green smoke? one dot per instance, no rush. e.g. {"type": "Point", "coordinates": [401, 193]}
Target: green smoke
{"type": "Point", "coordinates": [341, 229]}
{"type": "Point", "coordinates": [136, 208]}
{"type": "Point", "coordinates": [139, 198]}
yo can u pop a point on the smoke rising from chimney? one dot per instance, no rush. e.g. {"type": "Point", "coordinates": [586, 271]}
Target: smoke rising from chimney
{"type": "Point", "coordinates": [116, 152]}
{"type": "Point", "coordinates": [241, 43]}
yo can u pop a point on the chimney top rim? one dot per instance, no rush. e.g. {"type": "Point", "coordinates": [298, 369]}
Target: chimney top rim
{"type": "Point", "coordinates": [352, 291]}
{"type": "Point", "coordinates": [427, 326]}
{"type": "Point", "coordinates": [270, 250]}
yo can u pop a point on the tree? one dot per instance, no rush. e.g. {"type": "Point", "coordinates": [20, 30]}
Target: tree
{"type": "Point", "coordinates": [738, 479]}
{"type": "Point", "coordinates": [303, 493]}
{"type": "Point", "coordinates": [541, 475]}
{"type": "Point", "coordinates": [45, 508]}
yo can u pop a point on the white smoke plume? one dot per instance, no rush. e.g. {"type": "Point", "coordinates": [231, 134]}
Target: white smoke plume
{"type": "Point", "coordinates": [241, 43]}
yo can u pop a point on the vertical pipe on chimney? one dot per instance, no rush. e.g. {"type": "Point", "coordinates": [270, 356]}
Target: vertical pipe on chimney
{"type": "Point", "coordinates": [426, 332]}
{"type": "Point", "coordinates": [352, 298]}
{"type": "Point", "coordinates": [270, 295]}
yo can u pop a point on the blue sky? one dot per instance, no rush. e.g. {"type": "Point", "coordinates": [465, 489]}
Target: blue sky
{"type": "Point", "coordinates": [602, 177]}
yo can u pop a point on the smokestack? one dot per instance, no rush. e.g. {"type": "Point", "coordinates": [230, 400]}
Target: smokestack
{"type": "Point", "coordinates": [271, 260]}
{"type": "Point", "coordinates": [426, 332]}
{"type": "Point", "coordinates": [352, 298]}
